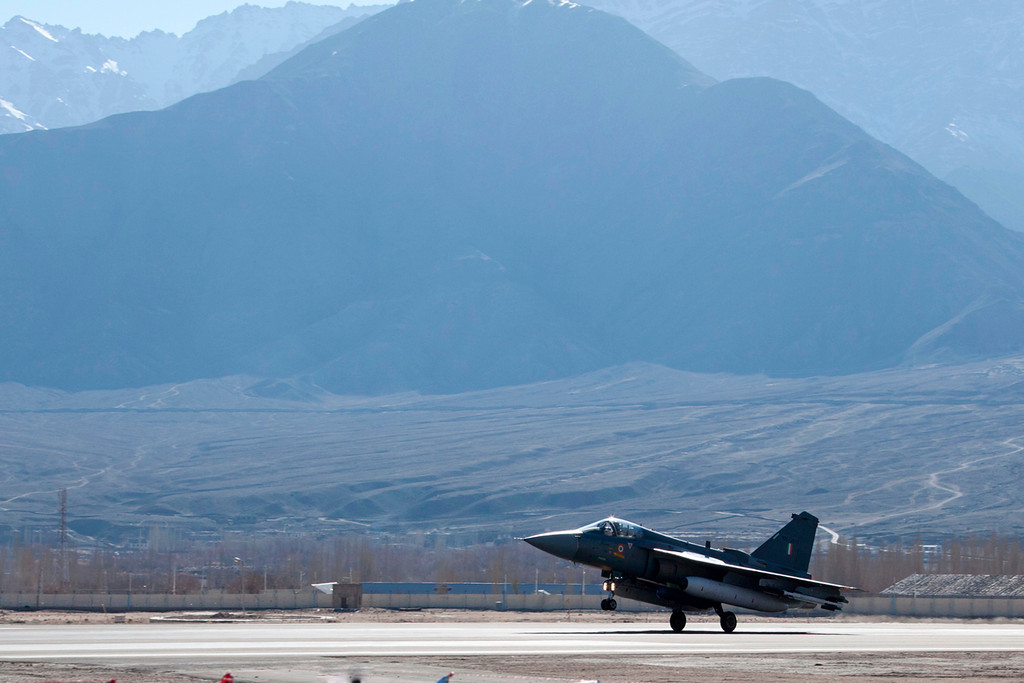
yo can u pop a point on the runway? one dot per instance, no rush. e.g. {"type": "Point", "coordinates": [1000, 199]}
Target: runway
{"type": "Point", "coordinates": [302, 641]}
{"type": "Point", "coordinates": [496, 646]}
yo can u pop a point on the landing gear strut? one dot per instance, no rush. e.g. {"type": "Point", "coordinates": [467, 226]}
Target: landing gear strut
{"type": "Point", "coordinates": [609, 604]}
{"type": "Point", "coordinates": [726, 619]}
{"type": "Point", "coordinates": [677, 621]}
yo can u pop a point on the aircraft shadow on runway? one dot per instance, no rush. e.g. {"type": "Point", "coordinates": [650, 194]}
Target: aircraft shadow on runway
{"type": "Point", "coordinates": [662, 631]}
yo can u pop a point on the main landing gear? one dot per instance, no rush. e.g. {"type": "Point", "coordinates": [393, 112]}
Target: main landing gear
{"type": "Point", "coordinates": [677, 621]}
{"type": "Point", "coordinates": [726, 619]}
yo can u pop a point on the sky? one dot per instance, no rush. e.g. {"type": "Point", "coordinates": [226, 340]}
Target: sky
{"type": "Point", "coordinates": [128, 18]}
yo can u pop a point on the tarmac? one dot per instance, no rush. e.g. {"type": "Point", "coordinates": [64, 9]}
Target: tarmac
{"type": "Point", "coordinates": [587, 648]}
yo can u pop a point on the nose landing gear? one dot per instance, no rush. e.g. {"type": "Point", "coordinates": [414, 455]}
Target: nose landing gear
{"type": "Point", "coordinates": [609, 604]}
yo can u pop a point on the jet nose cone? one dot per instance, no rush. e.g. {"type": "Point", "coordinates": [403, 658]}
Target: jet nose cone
{"type": "Point", "coordinates": [562, 544]}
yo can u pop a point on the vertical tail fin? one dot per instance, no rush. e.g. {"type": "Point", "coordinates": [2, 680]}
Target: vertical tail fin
{"type": "Point", "coordinates": [791, 545]}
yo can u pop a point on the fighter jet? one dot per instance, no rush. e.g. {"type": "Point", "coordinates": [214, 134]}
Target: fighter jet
{"type": "Point", "coordinates": [648, 566]}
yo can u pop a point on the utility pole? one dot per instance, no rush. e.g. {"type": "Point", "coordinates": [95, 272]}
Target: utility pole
{"type": "Point", "coordinates": [63, 507]}
{"type": "Point", "coordinates": [242, 563]}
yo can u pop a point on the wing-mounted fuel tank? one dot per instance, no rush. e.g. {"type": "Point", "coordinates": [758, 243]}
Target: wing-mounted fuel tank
{"type": "Point", "coordinates": [728, 594]}
{"type": "Point", "coordinates": [712, 591]}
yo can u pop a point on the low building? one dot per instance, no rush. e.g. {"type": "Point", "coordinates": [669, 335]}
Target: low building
{"type": "Point", "coordinates": [958, 586]}
{"type": "Point", "coordinates": [977, 596]}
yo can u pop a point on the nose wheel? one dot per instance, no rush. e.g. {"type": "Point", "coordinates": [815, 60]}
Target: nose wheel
{"type": "Point", "coordinates": [609, 604]}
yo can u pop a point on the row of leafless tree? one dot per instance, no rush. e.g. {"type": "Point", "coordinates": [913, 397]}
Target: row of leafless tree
{"type": "Point", "coordinates": [168, 565]}
{"type": "Point", "coordinates": [875, 567]}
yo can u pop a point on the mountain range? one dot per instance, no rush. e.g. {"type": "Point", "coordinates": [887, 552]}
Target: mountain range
{"type": "Point", "coordinates": [52, 77]}
{"type": "Point", "coordinates": [936, 83]}
{"type": "Point", "coordinates": [459, 195]}
{"type": "Point", "coordinates": [940, 81]}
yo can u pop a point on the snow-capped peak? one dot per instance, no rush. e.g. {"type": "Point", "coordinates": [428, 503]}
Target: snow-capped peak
{"type": "Point", "coordinates": [12, 110]}
{"type": "Point", "coordinates": [111, 66]}
{"type": "Point", "coordinates": [63, 77]}
{"type": "Point", "coordinates": [42, 31]}
{"type": "Point", "coordinates": [18, 121]}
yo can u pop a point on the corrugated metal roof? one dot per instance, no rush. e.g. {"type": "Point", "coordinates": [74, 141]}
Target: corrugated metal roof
{"type": "Point", "coordinates": [958, 585]}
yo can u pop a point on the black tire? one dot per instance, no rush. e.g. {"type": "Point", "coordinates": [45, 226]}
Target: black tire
{"type": "Point", "coordinates": [604, 605]}
{"type": "Point", "coordinates": [612, 604]}
{"type": "Point", "coordinates": [677, 621]}
{"type": "Point", "coordinates": [728, 621]}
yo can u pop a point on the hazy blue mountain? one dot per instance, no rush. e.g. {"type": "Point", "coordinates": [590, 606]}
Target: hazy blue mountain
{"type": "Point", "coordinates": [54, 76]}
{"type": "Point", "coordinates": [942, 81]}
{"type": "Point", "coordinates": [453, 195]}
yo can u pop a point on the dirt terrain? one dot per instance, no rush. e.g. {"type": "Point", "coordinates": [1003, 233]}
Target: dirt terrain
{"type": "Point", "coordinates": [770, 668]}
{"type": "Point", "coordinates": [902, 452]}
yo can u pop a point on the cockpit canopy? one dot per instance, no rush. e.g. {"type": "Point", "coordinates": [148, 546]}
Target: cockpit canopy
{"type": "Point", "coordinates": [618, 528]}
